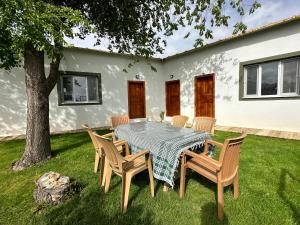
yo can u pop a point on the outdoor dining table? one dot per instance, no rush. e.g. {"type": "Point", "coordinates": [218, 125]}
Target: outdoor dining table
{"type": "Point", "coordinates": [165, 143]}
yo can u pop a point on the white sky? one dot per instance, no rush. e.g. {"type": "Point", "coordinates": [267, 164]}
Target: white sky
{"type": "Point", "coordinates": [271, 11]}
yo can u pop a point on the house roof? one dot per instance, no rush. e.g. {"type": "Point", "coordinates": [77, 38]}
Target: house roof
{"type": "Point", "coordinates": [213, 44]}
{"type": "Point", "coordinates": [98, 51]}
{"type": "Point", "coordinates": [239, 36]}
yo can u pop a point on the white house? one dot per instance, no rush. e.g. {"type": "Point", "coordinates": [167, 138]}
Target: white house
{"type": "Point", "coordinates": [250, 80]}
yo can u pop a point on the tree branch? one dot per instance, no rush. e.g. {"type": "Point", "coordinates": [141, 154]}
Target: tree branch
{"type": "Point", "coordinates": [53, 74]}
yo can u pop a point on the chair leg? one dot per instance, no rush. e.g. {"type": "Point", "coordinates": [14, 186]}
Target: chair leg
{"type": "Point", "coordinates": [97, 159]}
{"type": "Point", "coordinates": [123, 192]}
{"type": "Point", "coordinates": [182, 181]}
{"type": "Point", "coordinates": [105, 168]}
{"type": "Point", "coordinates": [236, 187]}
{"type": "Point", "coordinates": [102, 166]}
{"type": "Point", "coordinates": [126, 181]}
{"type": "Point", "coordinates": [107, 179]}
{"type": "Point", "coordinates": [151, 177]}
{"type": "Point", "coordinates": [220, 201]}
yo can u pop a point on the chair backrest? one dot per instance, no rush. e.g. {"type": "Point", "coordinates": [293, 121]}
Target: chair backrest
{"type": "Point", "coordinates": [179, 121]}
{"type": "Point", "coordinates": [230, 156]}
{"type": "Point", "coordinates": [119, 120]}
{"type": "Point", "coordinates": [90, 132]}
{"type": "Point", "coordinates": [111, 153]}
{"type": "Point", "coordinates": [206, 124]}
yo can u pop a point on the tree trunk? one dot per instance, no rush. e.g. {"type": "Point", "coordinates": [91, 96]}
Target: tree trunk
{"type": "Point", "coordinates": [38, 146]}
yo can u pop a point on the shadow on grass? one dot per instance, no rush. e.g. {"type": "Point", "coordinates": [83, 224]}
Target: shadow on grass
{"type": "Point", "coordinates": [93, 206]}
{"type": "Point", "coordinates": [66, 146]}
{"type": "Point", "coordinates": [209, 215]}
{"type": "Point", "coordinates": [283, 193]}
{"type": "Point", "coordinates": [81, 211]}
{"type": "Point", "coordinates": [209, 210]}
{"type": "Point", "coordinates": [78, 139]}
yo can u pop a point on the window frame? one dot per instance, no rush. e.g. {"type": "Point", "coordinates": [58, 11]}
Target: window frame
{"type": "Point", "coordinates": [73, 74]}
{"type": "Point", "coordinates": [296, 93]}
{"type": "Point", "coordinates": [246, 84]}
{"type": "Point", "coordinates": [280, 95]}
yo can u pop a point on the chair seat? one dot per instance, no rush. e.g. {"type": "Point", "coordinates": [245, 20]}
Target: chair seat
{"type": "Point", "coordinates": [207, 171]}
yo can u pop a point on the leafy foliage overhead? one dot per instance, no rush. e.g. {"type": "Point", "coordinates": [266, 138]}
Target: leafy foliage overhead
{"type": "Point", "coordinates": [42, 24]}
{"type": "Point", "coordinates": [131, 26]}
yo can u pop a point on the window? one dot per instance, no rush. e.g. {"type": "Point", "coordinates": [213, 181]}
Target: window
{"type": "Point", "coordinates": [252, 80]}
{"type": "Point", "coordinates": [269, 78]}
{"type": "Point", "coordinates": [79, 88]}
{"type": "Point", "coordinates": [289, 76]}
{"type": "Point", "coordinates": [272, 79]}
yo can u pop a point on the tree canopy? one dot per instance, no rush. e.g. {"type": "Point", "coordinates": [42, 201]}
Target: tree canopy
{"type": "Point", "coordinates": [44, 25]}
{"type": "Point", "coordinates": [132, 26]}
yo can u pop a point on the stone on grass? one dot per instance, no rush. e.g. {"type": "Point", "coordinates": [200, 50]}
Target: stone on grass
{"type": "Point", "coordinates": [53, 188]}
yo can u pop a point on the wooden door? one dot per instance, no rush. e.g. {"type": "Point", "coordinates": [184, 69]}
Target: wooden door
{"type": "Point", "coordinates": [136, 99]}
{"type": "Point", "coordinates": [205, 95]}
{"type": "Point", "coordinates": [173, 98]}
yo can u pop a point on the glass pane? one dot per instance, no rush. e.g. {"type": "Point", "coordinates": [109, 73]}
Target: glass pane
{"type": "Point", "coordinates": [269, 78]}
{"type": "Point", "coordinates": [80, 89]}
{"type": "Point", "coordinates": [289, 76]}
{"type": "Point", "coordinates": [92, 87]}
{"type": "Point", "coordinates": [252, 80]}
{"type": "Point", "coordinates": [67, 88]}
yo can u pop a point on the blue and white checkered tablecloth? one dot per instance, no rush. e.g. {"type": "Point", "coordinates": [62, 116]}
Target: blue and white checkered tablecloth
{"type": "Point", "coordinates": [165, 143]}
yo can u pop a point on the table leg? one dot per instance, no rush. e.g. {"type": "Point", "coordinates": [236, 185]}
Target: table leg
{"type": "Point", "coordinates": [166, 187]}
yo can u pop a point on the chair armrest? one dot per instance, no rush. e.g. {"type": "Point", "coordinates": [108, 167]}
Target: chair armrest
{"type": "Point", "coordinates": [204, 159]}
{"type": "Point", "coordinates": [108, 135]}
{"type": "Point", "coordinates": [120, 142]}
{"type": "Point", "coordinates": [188, 125]}
{"type": "Point", "coordinates": [137, 155]}
{"type": "Point", "coordinates": [85, 126]}
{"type": "Point", "coordinates": [209, 141]}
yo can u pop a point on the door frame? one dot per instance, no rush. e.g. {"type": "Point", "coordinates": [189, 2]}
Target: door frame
{"type": "Point", "coordinates": [173, 81]}
{"type": "Point", "coordinates": [140, 82]}
{"type": "Point", "coordinates": [195, 96]}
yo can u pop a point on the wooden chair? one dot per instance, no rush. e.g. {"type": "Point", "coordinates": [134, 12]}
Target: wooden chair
{"type": "Point", "coordinates": [119, 120]}
{"type": "Point", "coordinates": [125, 167]}
{"type": "Point", "coordinates": [179, 121]}
{"type": "Point", "coordinates": [97, 150]}
{"type": "Point", "coordinates": [206, 124]}
{"type": "Point", "coordinates": [99, 156]}
{"type": "Point", "coordinates": [223, 172]}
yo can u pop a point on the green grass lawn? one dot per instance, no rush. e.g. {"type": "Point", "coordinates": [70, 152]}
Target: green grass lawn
{"type": "Point", "coordinates": [269, 188]}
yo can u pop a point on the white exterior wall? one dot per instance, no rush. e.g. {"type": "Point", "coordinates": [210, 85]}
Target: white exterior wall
{"type": "Point", "coordinates": [223, 60]}
{"type": "Point", "coordinates": [114, 92]}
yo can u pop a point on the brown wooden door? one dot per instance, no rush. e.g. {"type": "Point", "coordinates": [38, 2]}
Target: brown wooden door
{"type": "Point", "coordinates": [136, 99]}
{"type": "Point", "coordinates": [173, 98]}
{"type": "Point", "coordinates": [205, 95]}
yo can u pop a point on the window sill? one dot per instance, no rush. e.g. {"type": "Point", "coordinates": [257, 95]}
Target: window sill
{"type": "Point", "coordinates": [288, 97]}
{"type": "Point", "coordinates": [81, 103]}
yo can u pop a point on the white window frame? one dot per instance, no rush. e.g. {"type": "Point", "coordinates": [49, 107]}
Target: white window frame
{"type": "Point", "coordinates": [73, 90]}
{"type": "Point", "coordinates": [291, 94]}
{"type": "Point", "coordinates": [279, 83]}
{"type": "Point", "coordinates": [245, 81]}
